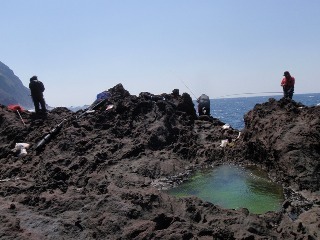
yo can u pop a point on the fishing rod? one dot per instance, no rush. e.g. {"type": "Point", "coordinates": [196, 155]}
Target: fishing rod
{"type": "Point", "coordinates": [189, 89]}
{"type": "Point", "coordinates": [229, 95]}
{"type": "Point", "coordinates": [57, 128]}
{"type": "Point", "coordinates": [92, 108]}
{"type": "Point", "coordinates": [48, 136]}
{"type": "Point", "coordinates": [21, 118]}
{"type": "Point", "coordinates": [185, 85]}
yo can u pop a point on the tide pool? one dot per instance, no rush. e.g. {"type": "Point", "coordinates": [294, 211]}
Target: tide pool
{"type": "Point", "coordinates": [234, 187]}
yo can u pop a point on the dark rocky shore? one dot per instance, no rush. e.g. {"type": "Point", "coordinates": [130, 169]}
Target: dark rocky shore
{"type": "Point", "coordinates": [99, 176]}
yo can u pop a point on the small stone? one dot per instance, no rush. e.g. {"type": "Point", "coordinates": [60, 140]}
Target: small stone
{"type": "Point", "coordinates": [12, 206]}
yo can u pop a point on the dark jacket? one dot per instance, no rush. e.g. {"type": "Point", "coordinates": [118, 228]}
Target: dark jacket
{"type": "Point", "coordinates": [36, 88]}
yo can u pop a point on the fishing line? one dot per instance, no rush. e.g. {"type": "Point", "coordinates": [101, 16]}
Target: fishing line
{"type": "Point", "coordinates": [237, 94]}
{"type": "Point", "coordinates": [229, 95]}
{"type": "Point", "coordinates": [188, 88]}
{"type": "Point", "coordinates": [184, 84]}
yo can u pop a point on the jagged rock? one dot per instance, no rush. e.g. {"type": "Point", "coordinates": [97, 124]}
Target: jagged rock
{"type": "Point", "coordinates": [95, 178]}
{"type": "Point", "coordinates": [284, 136]}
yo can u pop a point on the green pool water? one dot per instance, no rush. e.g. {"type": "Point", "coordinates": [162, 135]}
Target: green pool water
{"type": "Point", "coordinates": [233, 187]}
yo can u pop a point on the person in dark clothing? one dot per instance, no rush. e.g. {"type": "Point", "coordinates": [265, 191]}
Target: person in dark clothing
{"type": "Point", "coordinates": [203, 105]}
{"type": "Point", "coordinates": [37, 89]}
{"type": "Point", "coordinates": [287, 84]}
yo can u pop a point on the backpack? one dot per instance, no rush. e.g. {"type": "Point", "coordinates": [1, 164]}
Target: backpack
{"type": "Point", "coordinates": [36, 87]}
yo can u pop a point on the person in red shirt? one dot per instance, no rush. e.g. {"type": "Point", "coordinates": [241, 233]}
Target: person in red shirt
{"type": "Point", "coordinates": [288, 85]}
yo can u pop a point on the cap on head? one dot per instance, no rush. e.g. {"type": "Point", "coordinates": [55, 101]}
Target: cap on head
{"type": "Point", "coordinates": [34, 78]}
{"type": "Point", "coordinates": [286, 73]}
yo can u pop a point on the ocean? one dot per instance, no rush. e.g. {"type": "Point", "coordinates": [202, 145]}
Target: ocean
{"type": "Point", "coordinates": [232, 110]}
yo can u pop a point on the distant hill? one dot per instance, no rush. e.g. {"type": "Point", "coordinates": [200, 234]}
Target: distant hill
{"type": "Point", "coordinates": [75, 109]}
{"type": "Point", "coordinates": [12, 91]}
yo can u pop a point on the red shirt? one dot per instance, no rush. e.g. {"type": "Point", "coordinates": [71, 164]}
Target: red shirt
{"type": "Point", "coordinates": [288, 82]}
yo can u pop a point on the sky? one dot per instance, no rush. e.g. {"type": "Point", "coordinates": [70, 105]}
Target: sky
{"type": "Point", "coordinates": [223, 48]}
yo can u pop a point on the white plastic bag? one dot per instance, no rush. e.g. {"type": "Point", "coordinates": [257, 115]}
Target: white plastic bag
{"type": "Point", "coordinates": [226, 126]}
{"type": "Point", "coordinates": [21, 149]}
{"type": "Point", "coordinates": [224, 143]}
{"type": "Point", "coordinates": [23, 153]}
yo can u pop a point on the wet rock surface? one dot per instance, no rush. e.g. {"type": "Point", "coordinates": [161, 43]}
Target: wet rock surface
{"type": "Point", "coordinates": [99, 176]}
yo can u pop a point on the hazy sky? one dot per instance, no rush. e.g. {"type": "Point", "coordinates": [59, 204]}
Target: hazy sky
{"type": "Point", "coordinates": [79, 48]}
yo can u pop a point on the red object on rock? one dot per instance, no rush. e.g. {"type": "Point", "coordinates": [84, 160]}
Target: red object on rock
{"type": "Point", "coordinates": [15, 107]}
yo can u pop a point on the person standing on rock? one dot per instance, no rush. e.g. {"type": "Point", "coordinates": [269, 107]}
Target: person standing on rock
{"type": "Point", "coordinates": [288, 85]}
{"type": "Point", "coordinates": [203, 105]}
{"type": "Point", "coordinates": [37, 89]}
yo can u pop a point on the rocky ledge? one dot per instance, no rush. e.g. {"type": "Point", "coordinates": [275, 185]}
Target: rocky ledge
{"type": "Point", "coordinates": [99, 176]}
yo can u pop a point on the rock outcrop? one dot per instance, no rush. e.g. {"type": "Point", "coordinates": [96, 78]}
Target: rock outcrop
{"type": "Point", "coordinates": [12, 90]}
{"type": "Point", "coordinates": [284, 136]}
{"type": "Point", "coordinates": [95, 179]}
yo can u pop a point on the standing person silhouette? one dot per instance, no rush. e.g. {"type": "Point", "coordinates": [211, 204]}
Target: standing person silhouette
{"type": "Point", "coordinates": [37, 89]}
{"type": "Point", "coordinates": [288, 85]}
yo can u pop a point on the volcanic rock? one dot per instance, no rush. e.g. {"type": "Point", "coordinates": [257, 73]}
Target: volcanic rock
{"type": "Point", "coordinates": [100, 176]}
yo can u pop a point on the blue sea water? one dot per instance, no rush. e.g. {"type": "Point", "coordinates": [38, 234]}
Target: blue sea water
{"type": "Point", "coordinates": [232, 110]}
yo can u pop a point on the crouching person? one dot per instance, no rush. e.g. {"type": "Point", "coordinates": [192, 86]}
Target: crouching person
{"type": "Point", "coordinates": [102, 99]}
{"type": "Point", "coordinates": [203, 105]}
